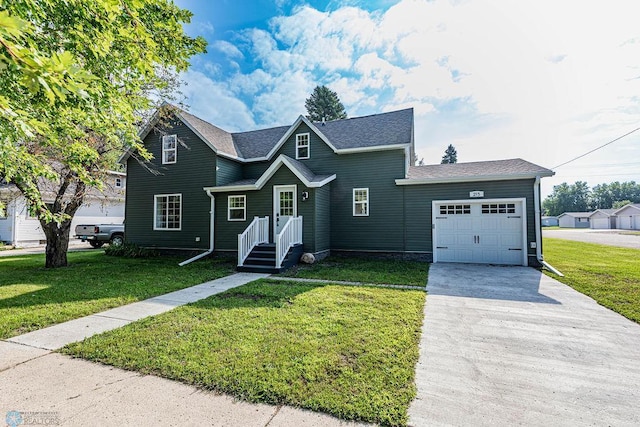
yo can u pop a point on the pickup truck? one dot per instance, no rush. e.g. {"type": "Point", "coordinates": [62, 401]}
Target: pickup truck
{"type": "Point", "coordinates": [98, 235]}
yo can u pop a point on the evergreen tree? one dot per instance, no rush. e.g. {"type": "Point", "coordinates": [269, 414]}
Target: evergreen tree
{"type": "Point", "coordinates": [324, 103]}
{"type": "Point", "coordinates": [450, 155]}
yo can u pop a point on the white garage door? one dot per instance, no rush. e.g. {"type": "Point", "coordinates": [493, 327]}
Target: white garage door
{"type": "Point", "coordinates": [487, 232]}
{"type": "Point", "coordinates": [600, 223]}
{"type": "Point", "coordinates": [625, 222]}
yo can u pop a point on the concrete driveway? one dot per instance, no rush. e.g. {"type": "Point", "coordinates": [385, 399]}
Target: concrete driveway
{"type": "Point", "coordinates": [511, 346]}
{"type": "Point", "coordinates": [622, 238]}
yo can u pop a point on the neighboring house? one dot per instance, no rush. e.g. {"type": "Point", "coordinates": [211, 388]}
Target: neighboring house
{"type": "Point", "coordinates": [344, 186]}
{"type": "Point", "coordinates": [628, 217]}
{"type": "Point", "coordinates": [550, 221]}
{"type": "Point", "coordinates": [574, 219]}
{"type": "Point", "coordinates": [19, 228]}
{"type": "Point", "coordinates": [603, 219]}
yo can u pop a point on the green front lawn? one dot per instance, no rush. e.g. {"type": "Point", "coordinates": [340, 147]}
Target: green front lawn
{"type": "Point", "coordinates": [608, 274]}
{"type": "Point", "coordinates": [365, 270]}
{"type": "Point", "coordinates": [349, 351]}
{"type": "Point", "coordinates": [32, 297]}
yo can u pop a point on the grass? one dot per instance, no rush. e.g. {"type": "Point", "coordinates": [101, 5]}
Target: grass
{"type": "Point", "coordinates": [610, 275]}
{"type": "Point", "coordinates": [365, 270]}
{"type": "Point", "coordinates": [348, 351]}
{"type": "Point", "coordinates": [32, 297]}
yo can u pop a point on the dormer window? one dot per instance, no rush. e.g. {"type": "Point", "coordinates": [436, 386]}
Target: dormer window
{"type": "Point", "coordinates": [302, 146]}
{"type": "Point", "coordinates": [169, 149]}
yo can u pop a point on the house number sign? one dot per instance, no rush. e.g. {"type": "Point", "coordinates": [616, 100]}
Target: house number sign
{"type": "Point", "coordinates": [476, 194]}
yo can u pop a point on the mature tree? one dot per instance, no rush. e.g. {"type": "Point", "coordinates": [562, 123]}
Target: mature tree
{"type": "Point", "coordinates": [604, 196]}
{"type": "Point", "coordinates": [324, 104]}
{"type": "Point", "coordinates": [567, 198]}
{"type": "Point", "coordinates": [76, 77]}
{"type": "Point", "coordinates": [621, 203]}
{"type": "Point", "coordinates": [450, 155]}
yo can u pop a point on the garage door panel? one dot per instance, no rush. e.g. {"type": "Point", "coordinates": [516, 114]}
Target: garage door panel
{"type": "Point", "coordinates": [482, 232]}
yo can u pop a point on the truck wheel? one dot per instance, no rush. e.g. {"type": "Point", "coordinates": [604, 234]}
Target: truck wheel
{"type": "Point", "coordinates": [96, 244]}
{"type": "Point", "coordinates": [117, 240]}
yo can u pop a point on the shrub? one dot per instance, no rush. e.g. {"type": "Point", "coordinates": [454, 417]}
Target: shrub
{"type": "Point", "coordinates": [130, 250]}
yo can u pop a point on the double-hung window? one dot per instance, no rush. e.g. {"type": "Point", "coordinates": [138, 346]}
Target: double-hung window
{"type": "Point", "coordinates": [237, 208]}
{"type": "Point", "coordinates": [167, 212]}
{"type": "Point", "coordinates": [302, 146]}
{"type": "Point", "coordinates": [360, 202]}
{"type": "Point", "coordinates": [169, 149]}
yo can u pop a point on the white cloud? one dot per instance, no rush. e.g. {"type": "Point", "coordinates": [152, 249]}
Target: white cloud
{"type": "Point", "coordinates": [544, 80]}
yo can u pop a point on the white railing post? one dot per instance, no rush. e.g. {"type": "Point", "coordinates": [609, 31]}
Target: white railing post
{"type": "Point", "coordinates": [290, 234]}
{"type": "Point", "coordinates": [257, 232]}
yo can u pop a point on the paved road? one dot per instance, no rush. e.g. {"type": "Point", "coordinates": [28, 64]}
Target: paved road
{"type": "Point", "coordinates": [603, 237]}
{"type": "Point", "coordinates": [74, 245]}
{"type": "Point", "coordinates": [511, 346]}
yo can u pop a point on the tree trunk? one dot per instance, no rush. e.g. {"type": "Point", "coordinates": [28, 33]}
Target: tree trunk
{"type": "Point", "coordinates": [57, 243]}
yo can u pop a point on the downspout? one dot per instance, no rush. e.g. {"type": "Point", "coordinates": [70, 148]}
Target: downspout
{"type": "Point", "coordinates": [212, 214]}
{"type": "Point", "coordinates": [536, 203]}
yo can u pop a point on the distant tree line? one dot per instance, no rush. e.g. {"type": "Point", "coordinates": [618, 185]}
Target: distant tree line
{"type": "Point", "coordinates": [579, 197]}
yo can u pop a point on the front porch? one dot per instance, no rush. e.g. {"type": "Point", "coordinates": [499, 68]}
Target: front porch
{"type": "Point", "coordinates": [256, 254]}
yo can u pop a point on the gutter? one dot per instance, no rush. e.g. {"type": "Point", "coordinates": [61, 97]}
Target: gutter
{"type": "Point", "coordinates": [211, 233]}
{"type": "Point", "coordinates": [536, 203]}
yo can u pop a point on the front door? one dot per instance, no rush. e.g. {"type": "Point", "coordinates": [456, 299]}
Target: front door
{"type": "Point", "coordinates": [284, 205]}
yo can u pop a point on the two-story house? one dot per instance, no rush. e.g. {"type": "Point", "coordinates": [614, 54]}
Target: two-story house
{"type": "Point", "coordinates": [326, 187]}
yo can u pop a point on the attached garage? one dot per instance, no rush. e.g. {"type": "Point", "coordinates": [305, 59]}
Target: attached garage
{"type": "Point", "coordinates": [480, 212]}
{"type": "Point", "coordinates": [483, 232]}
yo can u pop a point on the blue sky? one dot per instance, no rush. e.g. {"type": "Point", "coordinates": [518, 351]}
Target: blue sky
{"type": "Point", "coordinates": [545, 81]}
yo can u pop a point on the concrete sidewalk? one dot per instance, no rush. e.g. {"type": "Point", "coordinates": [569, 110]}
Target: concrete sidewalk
{"type": "Point", "coordinates": [512, 346]}
{"type": "Point", "coordinates": [57, 336]}
{"type": "Point", "coordinates": [59, 390]}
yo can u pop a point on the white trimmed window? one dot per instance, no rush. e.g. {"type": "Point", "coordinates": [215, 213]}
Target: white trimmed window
{"type": "Point", "coordinates": [167, 212]}
{"type": "Point", "coordinates": [169, 149]}
{"type": "Point", "coordinates": [237, 208]}
{"type": "Point", "coordinates": [302, 146]}
{"type": "Point", "coordinates": [360, 202]}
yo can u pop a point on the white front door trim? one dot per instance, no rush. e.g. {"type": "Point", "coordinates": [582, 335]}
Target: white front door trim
{"type": "Point", "coordinates": [278, 219]}
{"type": "Point", "coordinates": [434, 213]}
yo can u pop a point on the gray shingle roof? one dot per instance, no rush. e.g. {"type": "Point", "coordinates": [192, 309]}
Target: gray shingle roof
{"type": "Point", "coordinates": [510, 167]}
{"type": "Point", "coordinates": [376, 130]}
{"type": "Point", "coordinates": [305, 171]}
{"type": "Point", "coordinates": [576, 214]}
{"type": "Point", "coordinates": [220, 139]}
{"type": "Point", "coordinates": [257, 143]}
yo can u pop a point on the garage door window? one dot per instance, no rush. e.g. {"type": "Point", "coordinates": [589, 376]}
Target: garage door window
{"type": "Point", "coordinates": [499, 208]}
{"type": "Point", "coordinates": [455, 209]}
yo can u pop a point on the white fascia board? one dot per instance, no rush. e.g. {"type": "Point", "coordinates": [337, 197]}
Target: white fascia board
{"type": "Point", "coordinates": [292, 129]}
{"type": "Point", "coordinates": [194, 130]}
{"type": "Point", "coordinates": [266, 176]}
{"type": "Point", "coordinates": [419, 181]}
{"type": "Point", "coordinates": [227, 188]}
{"type": "Point", "coordinates": [374, 148]}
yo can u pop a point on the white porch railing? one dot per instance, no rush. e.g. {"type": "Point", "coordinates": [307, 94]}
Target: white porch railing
{"type": "Point", "coordinates": [257, 232]}
{"type": "Point", "coordinates": [290, 234]}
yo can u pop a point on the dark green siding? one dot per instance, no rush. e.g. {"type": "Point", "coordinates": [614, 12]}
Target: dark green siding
{"type": "Point", "coordinates": [228, 171]}
{"type": "Point", "coordinates": [383, 229]}
{"type": "Point", "coordinates": [260, 203]}
{"type": "Point", "coordinates": [418, 198]}
{"type": "Point", "coordinates": [194, 169]}
{"type": "Point", "coordinates": [322, 202]}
